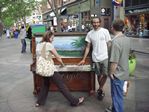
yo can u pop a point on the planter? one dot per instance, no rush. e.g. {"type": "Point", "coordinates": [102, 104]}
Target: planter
{"type": "Point", "coordinates": [132, 66]}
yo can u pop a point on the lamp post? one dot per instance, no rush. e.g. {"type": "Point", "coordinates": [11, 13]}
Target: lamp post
{"type": "Point", "coordinates": [80, 17]}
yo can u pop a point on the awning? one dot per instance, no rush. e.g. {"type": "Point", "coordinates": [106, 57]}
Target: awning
{"type": "Point", "coordinates": [52, 14]}
{"type": "Point", "coordinates": [63, 11]}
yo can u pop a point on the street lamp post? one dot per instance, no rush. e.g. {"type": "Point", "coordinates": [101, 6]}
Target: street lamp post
{"type": "Point", "coordinates": [80, 18]}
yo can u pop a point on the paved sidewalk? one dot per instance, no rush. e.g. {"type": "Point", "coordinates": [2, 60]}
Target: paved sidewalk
{"type": "Point", "coordinates": [16, 85]}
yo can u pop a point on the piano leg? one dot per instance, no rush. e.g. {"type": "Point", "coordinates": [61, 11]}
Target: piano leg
{"type": "Point", "coordinates": [35, 87]}
{"type": "Point", "coordinates": [92, 91]}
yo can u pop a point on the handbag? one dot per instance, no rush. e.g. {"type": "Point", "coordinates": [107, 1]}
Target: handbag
{"type": "Point", "coordinates": [44, 67]}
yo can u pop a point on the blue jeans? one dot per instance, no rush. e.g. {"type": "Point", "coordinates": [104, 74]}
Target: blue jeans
{"type": "Point", "coordinates": [23, 45]}
{"type": "Point", "coordinates": [117, 95]}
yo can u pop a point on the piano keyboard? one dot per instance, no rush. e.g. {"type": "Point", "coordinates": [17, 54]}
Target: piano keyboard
{"type": "Point", "coordinates": [73, 68]}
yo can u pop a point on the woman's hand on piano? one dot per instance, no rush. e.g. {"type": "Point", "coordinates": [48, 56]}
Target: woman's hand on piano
{"type": "Point", "coordinates": [63, 65]}
{"type": "Point", "coordinates": [81, 62]}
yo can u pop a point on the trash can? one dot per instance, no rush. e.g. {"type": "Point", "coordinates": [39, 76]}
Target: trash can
{"type": "Point", "coordinates": [132, 66]}
{"type": "Point", "coordinates": [132, 63]}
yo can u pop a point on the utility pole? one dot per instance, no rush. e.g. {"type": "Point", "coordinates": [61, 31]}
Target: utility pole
{"type": "Point", "coordinates": [80, 18]}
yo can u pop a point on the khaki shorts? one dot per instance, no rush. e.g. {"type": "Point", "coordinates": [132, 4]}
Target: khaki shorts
{"type": "Point", "coordinates": [101, 67]}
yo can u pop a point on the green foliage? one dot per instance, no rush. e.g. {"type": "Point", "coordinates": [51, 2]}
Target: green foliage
{"type": "Point", "coordinates": [132, 55]}
{"type": "Point", "coordinates": [79, 43]}
{"type": "Point", "coordinates": [8, 21]}
{"type": "Point", "coordinates": [14, 10]}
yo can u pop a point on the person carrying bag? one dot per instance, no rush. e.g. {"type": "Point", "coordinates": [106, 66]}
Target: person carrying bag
{"type": "Point", "coordinates": [45, 67]}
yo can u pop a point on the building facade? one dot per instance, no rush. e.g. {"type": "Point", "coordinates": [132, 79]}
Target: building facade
{"type": "Point", "coordinates": [137, 16]}
{"type": "Point", "coordinates": [79, 13]}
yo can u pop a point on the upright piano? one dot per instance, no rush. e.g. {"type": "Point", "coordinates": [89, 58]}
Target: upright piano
{"type": "Point", "coordinates": [71, 48]}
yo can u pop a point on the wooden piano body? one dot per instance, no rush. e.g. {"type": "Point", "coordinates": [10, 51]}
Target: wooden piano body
{"type": "Point", "coordinates": [77, 78]}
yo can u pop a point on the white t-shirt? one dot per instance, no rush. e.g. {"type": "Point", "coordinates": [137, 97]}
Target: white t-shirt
{"type": "Point", "coordinates": [22, 34]}
{"type": "Point", "coordinates": [7, 33]}
{"type": "Point", "coordinates": [49, 47]}
{"type": "Point", "coordinates": [99, 39]}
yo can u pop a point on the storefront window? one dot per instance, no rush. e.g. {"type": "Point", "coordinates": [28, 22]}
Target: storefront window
{"type": "Point", "coordinates": [135, 2]}
{"type": "Point", "coordinates": [144, 1]}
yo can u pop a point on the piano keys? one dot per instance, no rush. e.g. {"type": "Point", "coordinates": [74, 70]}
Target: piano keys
{"type": "Point", "coordinates": [73, 68]}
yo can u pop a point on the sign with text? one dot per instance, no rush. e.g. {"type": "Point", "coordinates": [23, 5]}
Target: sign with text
{"type": "Point", "coordinates": [105, 12]}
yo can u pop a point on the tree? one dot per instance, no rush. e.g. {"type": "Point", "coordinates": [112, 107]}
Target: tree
{"type": "Point", "coordinates": [3, 7]}
{"type": "Point", "coordinates": [56, 8]}
{"type": "Point", "coordinates": [16, 10]}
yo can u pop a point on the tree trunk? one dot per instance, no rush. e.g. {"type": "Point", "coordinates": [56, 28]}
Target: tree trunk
{"type": "Point", "coordinates": [58, 24]}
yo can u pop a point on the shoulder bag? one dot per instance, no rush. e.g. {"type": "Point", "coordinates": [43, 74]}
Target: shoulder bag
{"type": "Point", "coordinates": [44, 67]}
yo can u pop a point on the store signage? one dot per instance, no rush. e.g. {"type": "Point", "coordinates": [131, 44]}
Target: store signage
{"type": "Point", "coordinates": [105, 12]}
{"type": "Point", "coordinates": [137, 10]}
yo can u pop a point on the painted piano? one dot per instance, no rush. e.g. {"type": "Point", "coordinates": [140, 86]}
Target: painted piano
{"type": "Point", "coordinates": [71, 48]}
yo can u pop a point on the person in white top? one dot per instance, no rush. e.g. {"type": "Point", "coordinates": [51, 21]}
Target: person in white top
{"type": "Point", "coordinates": [8, 33]}
{"type": "Point", "coordinates": [22, 36]}
{"type": "Point", "coordinates": [98, 38]}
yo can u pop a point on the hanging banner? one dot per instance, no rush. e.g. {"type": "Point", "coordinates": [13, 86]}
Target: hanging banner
{"type": "Point", "coordinates": [117, 2]}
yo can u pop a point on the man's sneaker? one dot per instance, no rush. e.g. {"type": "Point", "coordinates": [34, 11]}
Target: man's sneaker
{"type": "Point", "coordinates": [100, 94]}
{"type": "Point", "coordinates": [109, 109]}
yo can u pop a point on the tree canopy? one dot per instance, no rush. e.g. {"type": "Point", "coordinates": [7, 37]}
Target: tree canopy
{"type": "Point", "coordinates": [14, 10]}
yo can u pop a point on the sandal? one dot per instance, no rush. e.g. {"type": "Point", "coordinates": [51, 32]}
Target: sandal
{"type": "Point", "coordinates": [37, 105]}
{"type": "Point", "coordinates": [81, 100]}
{"type": "Point", "coordinates": [109, 109]}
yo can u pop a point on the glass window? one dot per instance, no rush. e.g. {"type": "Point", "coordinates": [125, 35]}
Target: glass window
{"type": "Point", "coordinates": [135, 2]}
{"type": "Point", "coordinates": [128, 3]}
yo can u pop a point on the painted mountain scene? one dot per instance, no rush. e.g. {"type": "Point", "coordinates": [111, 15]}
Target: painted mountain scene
{"type": "Point", "coordinates": [69, 46]}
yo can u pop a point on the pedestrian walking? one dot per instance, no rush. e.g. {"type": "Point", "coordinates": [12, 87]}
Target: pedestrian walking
{"type": "Point", "coordinates": [29, 36]}
{"type": "Point", "coordinates": [0, 35]}
{"type": "Point", "coordinates": [118, 71]}
{"type": "Point", "coordinates": [1, 30]}
{"type": "Point", "coordinates": [7, 33]}
{"type": "Point", "coordinates": [22, 36]}
{"type": "Point", "coordinates": [98, 37]}
{"type": "Point", "coordinates": [56, 77]}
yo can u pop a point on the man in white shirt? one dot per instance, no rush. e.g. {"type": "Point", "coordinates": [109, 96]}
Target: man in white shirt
{"type": "Point", "coordinates": [98, 38]}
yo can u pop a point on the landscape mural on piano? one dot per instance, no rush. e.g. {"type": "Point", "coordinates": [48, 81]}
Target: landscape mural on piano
{"type": "Point", "coordinates": [68, 46]}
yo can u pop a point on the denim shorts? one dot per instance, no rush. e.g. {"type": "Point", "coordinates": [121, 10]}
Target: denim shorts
{"type": "Point", "coordinates": [101, 67]}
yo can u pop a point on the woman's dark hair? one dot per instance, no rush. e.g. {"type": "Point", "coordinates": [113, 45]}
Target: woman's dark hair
{"type": "Point", "coordinates": [118, 25]}
{"type": "Point", "coordinates": [47, 36]}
